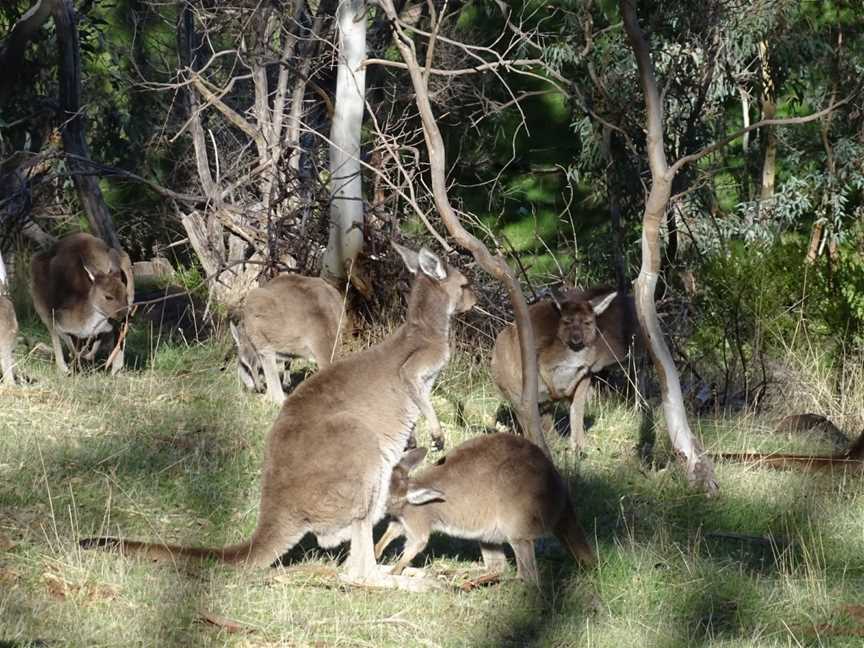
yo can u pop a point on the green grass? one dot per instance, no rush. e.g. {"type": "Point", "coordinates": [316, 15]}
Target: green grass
{"type": "Point", "coordinates": [172, 452]}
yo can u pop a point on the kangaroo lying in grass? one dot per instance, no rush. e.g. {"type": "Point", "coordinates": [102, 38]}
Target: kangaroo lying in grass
{"type": "Point", "coordinates": [580, 334]}
{"type": "Point", "coordinates": [497, 488]}
{"type": "Point", "coordinates": [78, 287]}
{"type": "Point", "coordinates": [291, 315]}
{"type": "Point", "coordinates": [331, 451]}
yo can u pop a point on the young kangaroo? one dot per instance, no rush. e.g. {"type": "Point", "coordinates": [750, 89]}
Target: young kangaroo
{"type": "Point", "coordinates": [580, 334]}
{"type": "Point", "coordinates": [331, 451]}
{"type": "Point", "coordinates": [78, 287]}
{"type": "Point", "coordinates": [291, 315]}
{"type": "Point", "coordinates": [494, 488]}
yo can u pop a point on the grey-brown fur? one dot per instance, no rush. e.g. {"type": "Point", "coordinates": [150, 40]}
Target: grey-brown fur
{"type": "Point", "coordinates": [575, 336]}
{"type": "Point", "coordinates": [291, 315]}
{"type": "Point", "coordinates": [78, 287]}
{"type": "Point", "coordinates": [8, 333]}
{"type": "Point", "coordinates": [497, 489]}
{"type": "Point", "coordinates": [330, 454]}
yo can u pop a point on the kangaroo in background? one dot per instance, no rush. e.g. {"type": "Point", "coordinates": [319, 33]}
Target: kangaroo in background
{"type": "Point", "coordinates": [78, 287]}
{"type": "Point", "coordinates": [582, 333]}
{"type": "Point", "coordinates": [291, 315]}
{"type": "Point", "coordinates": [494, 488]}
{"type": "Point", "coordinates": [331, 451]}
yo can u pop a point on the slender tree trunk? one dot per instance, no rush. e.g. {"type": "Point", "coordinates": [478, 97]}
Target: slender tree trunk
{"type": "Point", "coordinates": [346, 189]}
{"type": "Point", "coordinates": [230, 277]}
{"type": "Point", "coordinates": [769, 110]}
{"type": "Point", "coordinates": [700, 470]}
{"type": "Point", "coordinates": [614, 211]}
{"type": "Point", "coordinates": [69, 79]}
{"type": "Point", "coordinates": [14, 45]}
{"type": "Point", "coordinates": [494, 265]}
{"type": "Point", "coordinates": [4, 279]}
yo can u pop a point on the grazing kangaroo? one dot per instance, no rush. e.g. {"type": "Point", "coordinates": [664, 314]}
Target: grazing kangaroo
{"type": "Point", "coordinates": [78, 287]}
{"type": "Point", "coordinates": [494, 488]}
{"type": "Point", "coordinates": [291, 315]}
{"type": "Point", "coordinates": [583, 333]}
{"type": "Point", "coordinates": [331, 451]}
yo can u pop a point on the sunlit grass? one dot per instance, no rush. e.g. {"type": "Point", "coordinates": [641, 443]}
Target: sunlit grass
{"type": "Point", "coordinates": [172, 452]}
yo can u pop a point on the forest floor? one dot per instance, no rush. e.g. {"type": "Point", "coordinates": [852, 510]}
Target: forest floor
{"type": "Point", "coordinates": [171, 451]}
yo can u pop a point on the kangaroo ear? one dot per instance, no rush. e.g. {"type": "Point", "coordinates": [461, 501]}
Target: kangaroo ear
{"type": "Point", "coordinates": [424, 495]}
{"type": "Point", "coordinates": [411, 459]}
{"type": "Point", "coordinates": [87, 270]}
{"type": "Point", "coordinates": [409, 257]}
{"type": "Point", "coordinates": [603, 304]}
{"type": "Point", "coordinates": [431, 265]}
{"type": "Point", "coordinates": [235, 333]}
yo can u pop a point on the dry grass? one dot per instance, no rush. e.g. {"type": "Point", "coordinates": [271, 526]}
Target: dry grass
{"type": "Point", "coordinates": [172, 450]}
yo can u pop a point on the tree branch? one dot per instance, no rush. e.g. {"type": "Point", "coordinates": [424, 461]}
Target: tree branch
{"type": "Point", "coordinates": [784, 121]}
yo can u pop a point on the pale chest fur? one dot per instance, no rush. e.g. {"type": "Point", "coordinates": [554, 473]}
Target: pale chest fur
{"type": "Point", "coordinates": [562, 369]}
{"type": "Point", "coordinates": [90, 325]}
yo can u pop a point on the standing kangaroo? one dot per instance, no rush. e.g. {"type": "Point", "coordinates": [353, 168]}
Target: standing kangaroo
{"type": "Point", "coordinates": [331, 451]}
{"type": "Point", "coordinates": [291, 315]}
{"type": "Point", "coordinates": [582, 333]}
{"type": "Point", "coordinates": [497, 488]}
{"type": "Point", "coordinates": [78, 287]}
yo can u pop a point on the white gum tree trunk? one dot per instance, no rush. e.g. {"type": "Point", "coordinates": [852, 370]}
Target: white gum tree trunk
{"type": "Point", "coordinates": [346, 207]}
{"type": "Point", "coordinates": [700, 469]}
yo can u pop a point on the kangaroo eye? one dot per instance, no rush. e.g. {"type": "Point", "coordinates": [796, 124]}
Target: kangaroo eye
{"type": "Point", "coordinates": [109, 298]}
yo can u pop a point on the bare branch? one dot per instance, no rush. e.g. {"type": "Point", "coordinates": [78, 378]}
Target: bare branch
{"type": "Point", "coordinates": [784, 121]}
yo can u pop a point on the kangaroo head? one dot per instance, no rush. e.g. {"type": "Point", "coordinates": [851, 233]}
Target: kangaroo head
{"type": "Point", "coordinates": [248, 362]}
{"type": "Point", "coordinates": [107, 292]}
{"type": "Point", "coordinates": [577, 327]}
{"type": "Point", "coordinates": [453, 284]}
{"type": "Point", "coordinates": [403, 490]}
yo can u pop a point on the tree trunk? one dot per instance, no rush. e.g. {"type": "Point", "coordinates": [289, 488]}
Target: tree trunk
{"type": "Point", "coordinates": [700, 469]}
{"type": "Point", "coordinates": [346, 189]}
{"type": "Point", "coordinates": [15, 44]}
{"type": "Point", "coordinates": [219, 252]}
{"type": "Point", "coordinates": [4, 280]}
{"type": "Point", "coordinates": [614, 211]}
{"type": "Point", "coordinates": [69, 79]}
{"type": "Point", "coordinates": [769, 110]}
{"type": "Point", "coordinates": [494, 265]}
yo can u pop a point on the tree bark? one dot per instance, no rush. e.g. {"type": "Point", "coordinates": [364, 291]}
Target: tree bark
{"type": "Point", "coordinates": [614, 211]}
{"type": "Point", "coordinates": [700, 469]}
{"type": "Point", "coordinates": [494, 265]}
{"type": "Point", "coordinates": [346, 189]}
{"type": "Point", "coordinates": [74, 143]}
{"type": "Point", "coordinates": [769, 110]}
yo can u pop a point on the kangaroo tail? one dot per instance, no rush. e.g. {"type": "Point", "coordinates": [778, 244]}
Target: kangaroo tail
{"type": "Point", "coordinates": [250, 554]}
{"type": "Point", "coordinates": [570, 533]}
